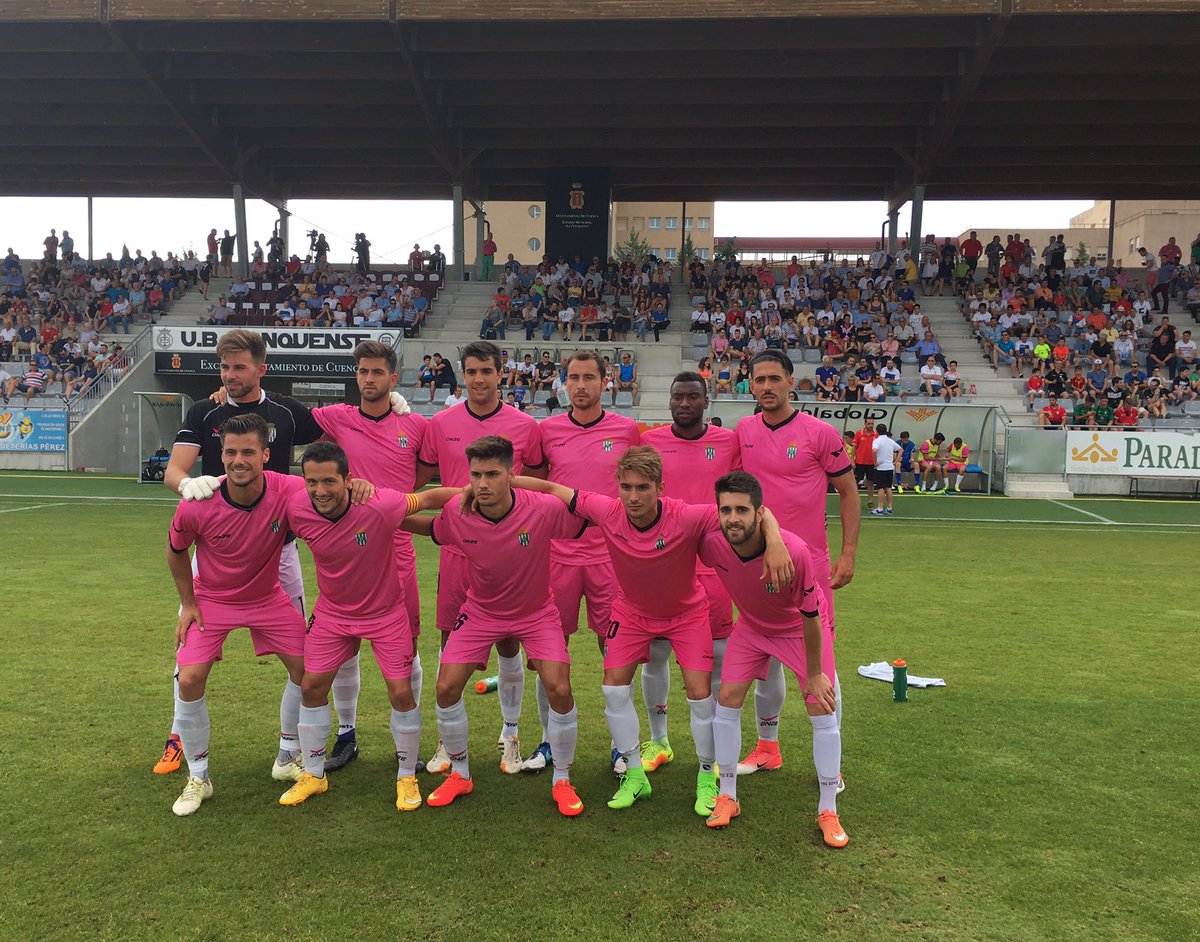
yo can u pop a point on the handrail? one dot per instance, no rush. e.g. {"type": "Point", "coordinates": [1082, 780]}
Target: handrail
{"type": "Point", "coordinates": [133, 351]}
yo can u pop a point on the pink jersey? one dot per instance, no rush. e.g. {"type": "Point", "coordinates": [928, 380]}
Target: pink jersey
{"type": "Point", "coordinates": [452, 430]}
{"type": "Point", "coordinates": [762, 605]}
{"type": "Point", "coordinates": [584, 457]}
{"type": "Point", "coordinates": [691, 466]}
{"type": "Point", "coordinates": [384, 450]}
{"type": "Point", "coordinates": [509, 575]}
{"type": "Point", "coordinates": [239, 546]}
{"type": "Point", "coordinates": [655, 567]}
{"type": "Point", "coordinates": [356, 568]}
{"type": "Point", "coordinates": [794, 462]}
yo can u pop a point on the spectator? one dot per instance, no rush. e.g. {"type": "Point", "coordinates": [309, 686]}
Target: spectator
{"type": "Point", "coordinates": [626, 379]}
{"type": "Point", "coordinates": [1035, 387]}
{"type": "Point", "coordinates": [30, 384]}
{"type": "Point", "coordinates": [416, 259]}
{"type": "Point", "coordinates": [487, 253]}
{"type": "Point", "coordinates": [437, 260]}
{"type": "Point", "coordinates": [1081, 415]}
{"type": "Point", "coordinates": [1053, 415]}
{"type": "Point", "coordinates": [1185, 354]}
{"type": "Point", "coordinates": [1126, 415]}
{"type": "Point", "coordinates": [1162, 349]}
{"type": "Point", "coordinates": [545, 373]}
{"type": "Point", "coordinates": [874, 390]}
{"type": "Point", "coordinates": [890, 376]}
{"type": "Point", "coordinates": [227, 243]}
{"type": "Point", "coordinates": [931, 377]}
{"type": "Point", "coordinates": [724, 376]}
{"type": "Point", "coordinates": [951, 382]}
{"type": "Point", "coordinates": [1097, 378]}
{"type": "Point", "coordinates": [455, 396]}
{"type": "Point", "coordinates": [493, 324]}
{"type": "Point", "coordinates": [443, 376]}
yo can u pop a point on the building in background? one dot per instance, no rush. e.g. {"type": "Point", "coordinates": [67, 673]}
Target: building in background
{"type": "Point", "coordinates": [520, 228]}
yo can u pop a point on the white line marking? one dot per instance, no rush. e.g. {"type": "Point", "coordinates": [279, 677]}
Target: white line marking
{"type": "Point", "coordinates": [111, 500]}
{"type": "Point", "coordinates": [1068, 523]}
{"type": "Point", "coordinates": [1080, 510]}
{"type": "Point", "coordinates": [13, 510]}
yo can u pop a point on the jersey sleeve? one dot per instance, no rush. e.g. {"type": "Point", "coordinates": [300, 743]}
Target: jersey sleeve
{"type": "Point", "coordinates": [308, 430]}
{"type": "Point", "coordinates": [184, 528]}
{"type": "Point", "coordinates": [805, 592]}
{"type": "Point", "coordinates": [532, 455]}
{"type": "Point", "coordinates": [329, 418]}
{"type": "Point", "coordinates": [700, 519]}
{"type": "Point", "coordinates": [832, 452]}
{"type": "Point", "coordinates": [707, 550]}
{"type": "Point", "coordinates": [428, 454]}
{"type": "Point", "coordinates": [592, 506]}
{"type": "Point", "coordinates": [394, 506]}
{"type": "Point", "coordinates": [564, 524]}
{"type": "Point", "coordinates": [192, 431]}
{"type": "Point", "coordinates": [444, 531]}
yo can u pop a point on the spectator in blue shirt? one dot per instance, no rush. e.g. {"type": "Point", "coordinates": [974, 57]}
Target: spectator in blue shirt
{"type": "Point", "coordinates": [1097, 378]}
{"type": "Point", "coordinates": [928, 347]}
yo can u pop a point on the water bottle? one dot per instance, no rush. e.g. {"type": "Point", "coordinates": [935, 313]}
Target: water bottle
{"type": "Point", "coordinates": [899, 681]}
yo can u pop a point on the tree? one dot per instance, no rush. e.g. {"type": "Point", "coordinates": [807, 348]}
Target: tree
{"type": "Point", "coordinates": [727, 252]}
{"type": "Point", "coordinates": [686, 253]}
{"type": "Point", "coordinates": [1081, 253]}
{"type": "Point", "coordinates": [634, 249]}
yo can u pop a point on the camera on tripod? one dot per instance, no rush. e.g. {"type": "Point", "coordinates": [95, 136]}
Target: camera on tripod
{"type": "Point", "coordinates": [313, 235]}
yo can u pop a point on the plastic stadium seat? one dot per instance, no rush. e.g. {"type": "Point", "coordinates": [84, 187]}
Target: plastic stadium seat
{"type": "Point", "coordinates": [906, 357]}
{"type": "Point", "coordinates": [796, 356]}
{"type": "Point", "coordinates": [811, 355]}
{"type": "Point", "coordinates": [624, 400]}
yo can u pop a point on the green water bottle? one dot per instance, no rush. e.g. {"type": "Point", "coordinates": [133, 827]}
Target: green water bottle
{"type": "Point", "coordinates": [899, 681]}
{"type": "Point", "coordinates": [488, 684]}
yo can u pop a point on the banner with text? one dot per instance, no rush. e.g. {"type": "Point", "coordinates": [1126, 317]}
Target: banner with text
{"type": "Point", "coordinates": [578, 204]}
{"type": "Point", "coordinates": [295, 352]}
{"type": "Point", "coordinates": [1134, 454]}
{"type": "Point", "coordinates": [33, 430]}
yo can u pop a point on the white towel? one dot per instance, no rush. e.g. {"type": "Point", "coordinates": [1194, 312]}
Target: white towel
{"type": "Point", "coordinates": [882, 670]}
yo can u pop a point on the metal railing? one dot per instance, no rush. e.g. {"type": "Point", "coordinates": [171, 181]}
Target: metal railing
{"type": "Point", "coordinates": [131, 354]}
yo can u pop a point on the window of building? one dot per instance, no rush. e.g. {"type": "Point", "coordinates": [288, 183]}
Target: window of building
{"type": "Point", "coordinates": [637, 223]}
{"type": "Point", "coordinates": [535, 244]}
{"type": "Point", "coordinates": [672, 222]}
{"type": "Point", "coordinates": [535, 211]}
{"type": "Point", "coordinates": [703, 222]}
{"type": "Point", "coordinates": [704, 254]}
{"type": "Point", "coordinates": [655, 222]}
{"type": "Point", "coordinates": [622, 223]}
{"type": "Point", "coordinates": [670, 255]}
{"type": "Point", "coordinates": [687, 223]}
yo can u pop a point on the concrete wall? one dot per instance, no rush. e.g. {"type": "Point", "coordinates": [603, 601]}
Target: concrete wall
{"type": "Point", "coordinates": [108, 436]}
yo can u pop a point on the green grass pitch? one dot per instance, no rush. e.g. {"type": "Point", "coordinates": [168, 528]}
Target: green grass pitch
{"type": "Point", "coordinates": [1049, 792]}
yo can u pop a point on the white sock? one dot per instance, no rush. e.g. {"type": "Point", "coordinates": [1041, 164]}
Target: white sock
{"type": "Point", "coordinates": [453, 730]}
{"type": "Point", "coordinates": [314, 735]}
{"type": "Point", "coordinates": [346, 684]}
{"type": "Point", "coordinates": [511, 688]}
{"type": "Point", "coordinates": [702, 731]}
{"type": "Point", "coordinates": [727, 740]}
{"type": "Point", "coordinates": [175, 692]}
{"type": "Point", "coordinates": [769, 695]}
{"type": "Point", "coordinates": [622, 719]}
{"type": "Point", "coordinates": [417, 678]}
{"type": "Point", "coordinates": [827, 757]}
{"type": "Point", "coordinates": [289, 719]}
{"type": "Point", "coordinates": [562, 735]}
{"type": "Point", "coordinates": [656, 687]}
{"type": "Point", "coordinates": [543, 702]}
{"type": "Point", "coordinates": [718, 662]}
{"type": "Point", "coordinates": [406, 731]}
{"type": "Point", "coordinates": [191, 722]}
{"type": "Point", "coordinates": [837, 707]}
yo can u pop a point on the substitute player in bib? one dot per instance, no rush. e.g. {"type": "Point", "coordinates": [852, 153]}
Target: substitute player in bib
{"type": "Point", "coordinates": [382, 447]}
{"type": "Point", "coordinates": [694, 456]}
{"type": "Point", "coordinates": [361, 596]}
{"type": "Point", "coordinates": [507, 539]}
{"type": "Point", "coordinates": [240, 534]}
{"type": "Point", "coordinates": [795, 458]}
{"type": "Point", "coordinates": [780, 622]}
{"type": "Point", "coordinates": [444, 450]}
{"type": "Point", "coordinates": [581, 447]}
{"type": "Point", "coordinates": [933, 464]}
{"type": "Point", "coordinates": [958, 455]}
{"type": "Point", "coordinates": [652, 541]}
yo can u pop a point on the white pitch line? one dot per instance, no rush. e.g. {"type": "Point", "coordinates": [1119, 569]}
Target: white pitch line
{"type": "Point", "coordinates": [111, 500]}
{"type": "Point", "coordinates": [1069, 523]}
{"type": "Point", "coordinates": [14, 510]}
{"type": "Point", "coordinates": [1080, 510]}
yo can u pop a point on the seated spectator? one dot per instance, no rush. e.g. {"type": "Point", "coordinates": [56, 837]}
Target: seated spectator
{"type": "Point", "coordinates": [1185, 353]}
{"type": "Point", "coordinates": [545, 373]}
{"type": "Point", "coordinates": [701, 320]}
{"type": "Point", "coordinates": [1081, 415]}
{"type": "Point", "coordinates": [1053, 415]}
{"type": "Point", "coordinates": [1035, 387]}
{"type": "Point", "coordinates": [493, 324]}
{"type": "Point", "coordinates": [931, 377]}
{"type": "Point", "coordinates": [1127, 415]}
{"type": "Point", "coordinates": [626, 377]}
{"type": "Point", "coordinates": [1004, 353]}
{"type": "Point", "coordinates": [1097, 378]}
{"type": "Point", "coordinates": [1153, 401]}
{"type": "Point", "coordinates": [723, 379]}
{"type": "Point", "coordinates": [219, 313]}
{"type": "Point", "coordinates": [951, 382]}
{"type": "Point", "coordinates": [890, 376]}
{"type": "Point", "coordinates": [29, 384]}
{"type": "Point", "coordinates": [874, 390]}
{"type": "Point", "coordinates": [660, 319]}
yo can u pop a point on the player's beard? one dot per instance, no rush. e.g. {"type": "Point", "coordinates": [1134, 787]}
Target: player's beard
{"type": "Point", "coordinates": [374, 397]}
{"type": "Point", "coordinates": [744, 536]}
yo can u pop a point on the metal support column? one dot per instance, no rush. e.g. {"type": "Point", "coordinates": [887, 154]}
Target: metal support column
{"type": "Point", "coordinates": [893, 225]}
{"type": "Point", "coordinates": [243, 237]}
{"type": "Point", "coordinates": [915, 235]}
{"type": "Point", "coordinates": [460, 242]}
{"type": "Point", "coordinates": [91, 248]}
{"type": "Point", "coordinates": [284, 216]}
{"type": "Point", "coordinates": [480, 233]}
{"type": "Point", "coordinates": [1112, 227]}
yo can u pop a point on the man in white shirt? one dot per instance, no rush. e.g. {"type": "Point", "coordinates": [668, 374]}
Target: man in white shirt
{"type": "Point", "coordinates": [1185, 354]}
{"type": "Point", "coordinates": [931, 377]}
{"type": "Point", "coordinates": [701, 320]}
{"type": "Point", "coordinates": [454, 398]}
{"type": "Point", "coordinates": [884, 450]}
{"type": "Point", "coordinates": [873, 391]}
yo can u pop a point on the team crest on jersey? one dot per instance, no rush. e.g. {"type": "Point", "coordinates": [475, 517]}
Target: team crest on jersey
{"type": "Point", "coordinates": [523, 537]}
{"type": "Point", "coordinates": [710, 453]}
{"type": "Point", "coordinates": [608, 444]}
{"type": "Point", "coordinates": [270, 431]}
{"type": "Point", "coordinates": [274, 526]}
{"type": "Point", "coordinates": [771, 590]}
{"type": "Point", "coordinates": [791, 450]}
{"type": "Point", "coordinates": [403, 441]}
{"type": "Point", "coordinates": [361, 537]}
{"type": "Point", "coordinates": [660, 544]}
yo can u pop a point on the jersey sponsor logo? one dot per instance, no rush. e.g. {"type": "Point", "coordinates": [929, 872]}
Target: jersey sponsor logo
{"type": "Point", "coordinates": [220, 536]}
{"type": "Point", "coordinates": [523, 537]}
{"type": "Point", "coordinates": [361, 537]}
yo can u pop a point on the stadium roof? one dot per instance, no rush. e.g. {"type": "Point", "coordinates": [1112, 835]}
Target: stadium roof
{"type": "Point", "coordinates": [402, 98]}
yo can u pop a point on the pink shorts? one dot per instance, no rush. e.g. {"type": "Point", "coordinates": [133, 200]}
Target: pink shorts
{"type": "Point", "coordinates": [595, 582]}
{"type": "Point", "coordinates": [749, 652]}
{"type": "Point", "coordinates": [955, 466]}
{"type": "Point", "coordinates": [824, 569]}
{"type": "Point", "coordinates": [275, 628]}
{"type": "Point", "coordinates": [406, 562]}
{"type": "Point", "coordinates": [330, 644]}
{"type": "Point", "coordinates": [629, 634]}
{"type": "Point", "coordinates": [540, 634]}
{"type": "Point", "coordinates": [720, 605]}
{"type": "Point", "coordinates": [451, 587]}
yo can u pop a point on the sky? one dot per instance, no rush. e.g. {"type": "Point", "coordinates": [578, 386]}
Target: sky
{"type": "Point", "coordinates": [393, 226]}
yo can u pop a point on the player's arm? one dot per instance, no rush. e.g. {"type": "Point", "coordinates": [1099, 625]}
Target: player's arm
{"type": "Point", "coordinates": [424, 474]}
{"type": "Point", "coordinates": [179, 466]}
{"type": "Point", "coordinates": [420, 524]}
{"type": "Point", "coordinates": [817, 685]}
{"type": "Point", "coordinates": [565, 494]}
{"type": "Point", "coordinates": [778, 567]}
{"type": "Point", "coordinates": [850, 511]}
{"type": "Point", "coordinates": [180, 565]}
{"type": "Point", "coordinates": [433, 499]}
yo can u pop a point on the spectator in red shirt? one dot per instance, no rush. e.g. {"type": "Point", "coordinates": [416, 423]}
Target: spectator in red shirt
{"type": "Point", "coordinates": [1035, 387]}
{"type": "Point", "coordinates": [970, 250]}
{"type": "Point", "coordinates": [416, 260]}
{"type": "Point", "coordinates": [1127, 414]}
{"type": "Point", "coordinates": [1171, 252]}
{"type": "Point", "coordinates": [1052, 415]}
{"type": "Point", "coordinates": [488, 251]}
{"type": "Point", "coordinates": [1015, 250]}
